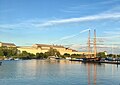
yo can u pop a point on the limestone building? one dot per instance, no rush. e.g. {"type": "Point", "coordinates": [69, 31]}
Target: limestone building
{"type": "Point", "coordinates": [42, 48]}
{"type": "Point", "coordinates": [38, 48]}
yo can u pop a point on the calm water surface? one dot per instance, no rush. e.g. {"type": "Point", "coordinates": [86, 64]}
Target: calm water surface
{"type": "Point", "coordinates": [63, 72]}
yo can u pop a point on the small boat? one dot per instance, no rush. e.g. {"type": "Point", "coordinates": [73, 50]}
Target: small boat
{"type": "Point", "coordinates": [76, 59]}
{"type": "Point", "coordinates": [51, 58]}
{"type": "Point", "coordinates": [16, 59]}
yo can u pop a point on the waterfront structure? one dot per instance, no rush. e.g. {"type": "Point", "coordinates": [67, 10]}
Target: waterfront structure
{"type": "Point", "coordinates": [7, 44]}
{"type": "Point", "coordinates": [42, 48]}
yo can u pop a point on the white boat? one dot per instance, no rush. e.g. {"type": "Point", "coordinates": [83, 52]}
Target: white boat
{"type": "Point", "coordinates": [52, 58]}
{"type": "Point", "coordinates": [16, 59]}
{"type": "Point", "coordinates": [68, 58]}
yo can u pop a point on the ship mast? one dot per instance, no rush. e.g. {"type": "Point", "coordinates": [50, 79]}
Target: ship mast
{"type": "Point", "coordinates": [89, 45]}
{"type": "Point", "coordinates": [95, 48]}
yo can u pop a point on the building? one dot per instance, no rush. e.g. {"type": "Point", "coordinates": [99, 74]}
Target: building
{"type": "Point", "coordinates": [7, 44]}
{"type": "Point", "coordinates": [38, 48]}
{"type": "Point", "coordinates": [42, 48]}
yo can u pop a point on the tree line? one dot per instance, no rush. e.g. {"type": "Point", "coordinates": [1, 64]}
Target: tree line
{"type": "Point", "coordinates": [100, 54]}
{"type": "Point", "coordinates": [13, 52]}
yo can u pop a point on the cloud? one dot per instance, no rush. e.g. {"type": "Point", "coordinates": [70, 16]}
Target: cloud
{"type": "Point", "coordinates": [110, 37]}
{"type": "Point", "coordinates": [71, 36]}
{"type": "Point", "coordinates": [81, 19]}
{"type": "Point", "coordinates": [67, 37]}
{"type": "Point", "coordinates": [84, 30]}
{"type": "Point", "coordinates": [39, 24]}
{"type": "Point", "coordinates": [76, 9]}
{"type": "Point", "coordinates": [100, 48]}
{"type": "Point", "coordinates": [112, 32]}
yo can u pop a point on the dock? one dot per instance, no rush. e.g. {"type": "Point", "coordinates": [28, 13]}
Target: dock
{"type": "Point", "coordinates": [88, 61]}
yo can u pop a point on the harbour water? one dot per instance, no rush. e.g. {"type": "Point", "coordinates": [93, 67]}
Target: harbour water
{"type": "Point", "coordinates": [63, 72]}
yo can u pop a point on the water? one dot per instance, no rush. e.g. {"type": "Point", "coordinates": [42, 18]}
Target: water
{"type": "Point", "coordinates": [41, 72]}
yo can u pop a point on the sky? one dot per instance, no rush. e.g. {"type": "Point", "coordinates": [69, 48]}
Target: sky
{"type": "Point", "coordinates": [61, 22]}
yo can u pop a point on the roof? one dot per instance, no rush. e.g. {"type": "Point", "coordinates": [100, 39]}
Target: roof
{"type": "Point", "coordinates": [58, 46]}
{"type": "Point", "coordinates": [8, 43]}
{"type": "Point", "coordinates": [74, 50]}
{"type": "Point", "coordinates": [44, 45]}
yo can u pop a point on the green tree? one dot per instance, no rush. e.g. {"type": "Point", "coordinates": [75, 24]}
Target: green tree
{"type": "Point", "coordinates": [118, 56]}
{"type": "Point", "coordinates": [53, 52]}
{"type": "Point", "coordinates": [26, 55]}
{"type": "Point", "coordinates": [76, 56]}
{"type": "Point", "coordinates": [1, 52]}
{"type": "Point", "coordinates": [40, 55]}
{"type": "Point", "coordinates": [101, 54]}
{"type": "Point", "coordinates": [8, 51]}
{"type": "Point", "coordinates": [110, 55]}
{"type": "Point", "coordinates": [66, 55]}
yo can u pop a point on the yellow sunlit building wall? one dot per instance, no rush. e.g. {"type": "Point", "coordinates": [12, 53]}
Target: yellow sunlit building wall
{"type": "Point", "coordinates": [42, 48]}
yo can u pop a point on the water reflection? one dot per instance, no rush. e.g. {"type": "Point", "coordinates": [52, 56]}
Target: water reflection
{"type": "Point", "coordinates": [88, 74]}
{"type": "Point", "coordinates": [95, 72]}
{"type": "Point", "coordinates": [63, 72]}
{"type": "Point", "coordinates": [26, 69]}
{"type": "Point", "coordinates": [92, 76]}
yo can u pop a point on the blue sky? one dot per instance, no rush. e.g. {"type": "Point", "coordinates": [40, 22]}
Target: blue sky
{"type": "Point", "coordinates": [66, 22]}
